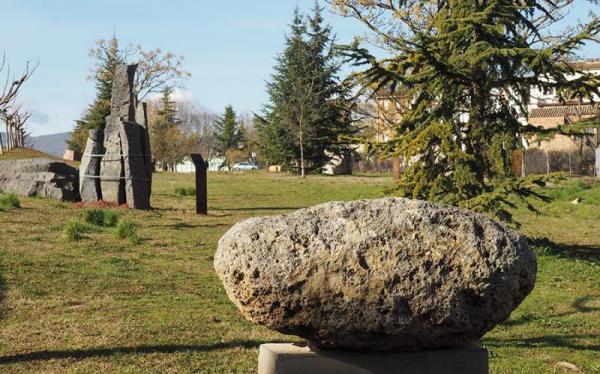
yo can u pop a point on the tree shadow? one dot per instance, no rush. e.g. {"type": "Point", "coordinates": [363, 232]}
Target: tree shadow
{"type": "Point", "coordinates": [547, 341]}
{"type": "Point", "coordinates": [185, 226]}
{"type": "Point", "coordinates": [579, 305]}
{"type": "Point", "coordinates": [2, 295]}
{"type": "Point", "coordinates": [108, 352]}
{"type": "Point", "coordinates": [546, 246]}
{"type": "Point", "coordinates": [275, 208]}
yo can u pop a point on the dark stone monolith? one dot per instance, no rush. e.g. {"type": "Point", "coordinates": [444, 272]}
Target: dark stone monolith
{"type": "Point", "coordinates": [201, 184]}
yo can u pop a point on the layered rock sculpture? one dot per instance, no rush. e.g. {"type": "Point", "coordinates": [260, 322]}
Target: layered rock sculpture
{"type": "Point", "coordinates": [125, 172]}
{"type": "Point", "coordinates": [381, 275]}
{"type": "Point", "coordinates": [89, 185]}
{"type": "Point", "coordinates": [40, 178]}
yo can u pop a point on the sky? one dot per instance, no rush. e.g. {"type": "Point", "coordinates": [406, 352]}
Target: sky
{"type": "Point", "coordinates": [229, 47]}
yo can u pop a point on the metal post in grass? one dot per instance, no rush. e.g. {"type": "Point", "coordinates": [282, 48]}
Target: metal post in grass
{"type": "Point", "coordinates": [201, 183]}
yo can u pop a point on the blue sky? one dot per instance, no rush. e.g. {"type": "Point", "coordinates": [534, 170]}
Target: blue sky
{"type": "Point", "coordinates": [229, 47]}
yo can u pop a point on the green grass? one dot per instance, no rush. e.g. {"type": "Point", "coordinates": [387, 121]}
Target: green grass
{"type": "Point", "coordinates": [185, 191]}
{"type": "Point", "coordinates": [126, 229]}
{"type": "Point", "coordinates": [104, 303]}
{"type": "Point", "coordinates": [101, 217]}
{"type": "Point", "coordinates": [9, 201]}
{"type": "Point", "coordinates": [75, 230]}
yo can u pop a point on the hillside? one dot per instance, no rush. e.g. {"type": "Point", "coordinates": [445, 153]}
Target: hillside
{"type": "Point", "coordinates": [54, 144]}
{"type": "Point", "coordinates": [21, 153]}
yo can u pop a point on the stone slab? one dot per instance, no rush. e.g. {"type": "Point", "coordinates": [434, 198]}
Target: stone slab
{"type": "Point", "coordinates": [297, 359]}
{"type": "Point", "coordinates": [89, 169]}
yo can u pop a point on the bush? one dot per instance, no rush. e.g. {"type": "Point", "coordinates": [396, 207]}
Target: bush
{"type": "Point", "coordinates": [185, 191]}
{"type": "Point", "coordinates": [74, 230]}
{"type": "Point", "coordinates": [9, 201]}
{"type": "Point", "coordinates": [111, 218]}
{"type": "Point", "coordinates": [101, 217]}
{"type": "Point", "coordinates": [126, 229]}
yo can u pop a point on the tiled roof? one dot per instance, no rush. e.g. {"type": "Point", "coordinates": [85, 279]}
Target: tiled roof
{"type": "Point", "coordinates": [560, 111]}
{"type": "Point", "coordinates": [586, 65]}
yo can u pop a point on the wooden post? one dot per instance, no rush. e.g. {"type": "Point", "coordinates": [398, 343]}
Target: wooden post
{"type": "Point", "coordinates": [201, 183]}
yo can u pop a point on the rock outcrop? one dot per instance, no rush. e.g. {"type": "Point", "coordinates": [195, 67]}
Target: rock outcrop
{"type": "Point", "coordinates": [379, 275]}
{"type": "Point", "coordinates": [41, 178]}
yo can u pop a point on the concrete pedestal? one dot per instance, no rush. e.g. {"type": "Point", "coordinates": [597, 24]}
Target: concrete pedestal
{"type": "Point", "coordinates": [295, 359]}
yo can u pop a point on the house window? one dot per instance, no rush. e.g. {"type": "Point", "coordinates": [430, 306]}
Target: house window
{"type": "Point", "coordinates": [548, 91]}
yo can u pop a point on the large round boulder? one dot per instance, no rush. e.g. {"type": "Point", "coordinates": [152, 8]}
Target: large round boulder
{"type": "Point", "coordinates": [377, 275]}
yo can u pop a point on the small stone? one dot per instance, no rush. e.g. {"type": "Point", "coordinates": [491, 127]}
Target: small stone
{"type": "Point", "coordinates": [377, 275]}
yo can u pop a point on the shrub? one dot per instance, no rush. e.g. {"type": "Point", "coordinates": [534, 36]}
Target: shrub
{"type": "Point", "coordinates": [111, 218]}
{"type": "Point", "coordinates": [94, 217]}
{"type": "Point", "coordinates": [126, 229]}
{"type": "Point", "coordinates": [74, 230]}
{"type": "Point", "coordinates": [101, 217]}
{"type": "Point", "coordinates": [9, 201]}
{"type": "Point", "coordinates": [185, 191]}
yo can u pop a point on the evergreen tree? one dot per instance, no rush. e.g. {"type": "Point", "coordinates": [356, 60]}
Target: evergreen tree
{"type": "Point", "coordinates": [164, 131]}
{"type": "Point", "coordinates": [95, 116]}
{"type": "Point", "coordinates": [228, 131]}
{"type": "Point", "coordinates": [465, 65]}
{"type": "Point", "coordinates": [304, 121]}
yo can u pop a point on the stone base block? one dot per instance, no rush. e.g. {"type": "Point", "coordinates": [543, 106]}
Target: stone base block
{"type": "Point", "coordinates": [296, 359]}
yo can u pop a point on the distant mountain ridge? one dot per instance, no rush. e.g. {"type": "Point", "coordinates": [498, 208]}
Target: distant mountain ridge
{"type": "Point", "coordinates": [54, 144]}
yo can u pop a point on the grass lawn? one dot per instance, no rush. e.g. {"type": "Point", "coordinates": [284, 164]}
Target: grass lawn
{"type": "Point", "coordinates": [107, 304]}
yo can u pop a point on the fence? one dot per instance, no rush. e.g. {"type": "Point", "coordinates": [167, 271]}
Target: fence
{"type": "Point", "coordinates": [368, 165]}
{"type": "Point", "coordinates": [537, 161]}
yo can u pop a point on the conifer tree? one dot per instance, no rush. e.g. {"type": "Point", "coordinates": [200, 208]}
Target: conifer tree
{"type": "Point", "coordinates": [228, 131]}
{"type": "Point", "coordinates": [305, 121]}
{"type": "Point", "coordinates": [163, 131]}
{"type": "Point", "coordinates": [466, 65]}
{"type": "Point", "coordinates": [95, 116]}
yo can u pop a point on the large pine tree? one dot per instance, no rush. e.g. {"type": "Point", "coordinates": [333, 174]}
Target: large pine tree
{"type": "Point", "coordinates": [466, 65]}
{"type": "Point", "coordinates": [95, 116]}
{"type": "Point", "coordinates": [304, 121]}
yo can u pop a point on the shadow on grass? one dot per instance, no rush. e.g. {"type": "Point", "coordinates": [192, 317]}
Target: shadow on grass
{"type": "Point", "coordinates": [579, 306]}
{"type": "Point", "coordinates": [185, 225]}
{"type": "Point", "coordinates": [2, 294]}
{"type": "Point", "coordinates": [545, 246]}
{"type": "Point", "coordinates": [548, 341]}
{"type": "Point", "coordinates": [108, 352]}
{"type": "Point", "coordinates": [260, 208]}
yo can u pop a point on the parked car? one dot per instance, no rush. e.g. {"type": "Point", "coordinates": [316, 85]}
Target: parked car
{"type": "Point", "coordinates": [245, 166]}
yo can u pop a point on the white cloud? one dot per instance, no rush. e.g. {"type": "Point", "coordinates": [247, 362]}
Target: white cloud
{"type": "Point", "coordinates": [39, 117]}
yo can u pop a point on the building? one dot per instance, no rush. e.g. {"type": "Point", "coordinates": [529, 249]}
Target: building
{"type": "Point", "coordinates": [545, 109]}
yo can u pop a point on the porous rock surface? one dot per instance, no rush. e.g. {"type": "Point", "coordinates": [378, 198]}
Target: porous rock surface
{"type": "Point", "coordinates": [40, 177]}
{"type": "Point", "coordinates": [377, 275]}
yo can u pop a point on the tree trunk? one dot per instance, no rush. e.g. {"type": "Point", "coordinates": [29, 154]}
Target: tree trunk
{"type": "Point", "coordinates": [396, 168]}
{"type": "Point", "coordinates": [302, 155]}
{"type": "Point", "coordinates": [9, 136]}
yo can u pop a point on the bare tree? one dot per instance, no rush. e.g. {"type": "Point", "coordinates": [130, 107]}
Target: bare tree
{"type": "Point", "coordinates": [8, 94]}
{"type": "Point", "coordinates": [200, 124]}
{"type": "Point", "coordinates": [15, 120]}
{"type": "Point", "coordinates": [12, 84]}
{"type": "Point", "coordinates": [302, 109]}
{"type": "Point", "coordinates": [156, 68]}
